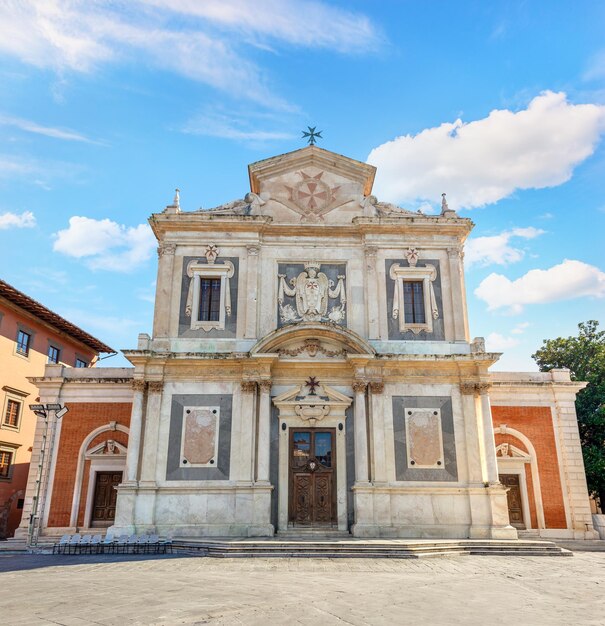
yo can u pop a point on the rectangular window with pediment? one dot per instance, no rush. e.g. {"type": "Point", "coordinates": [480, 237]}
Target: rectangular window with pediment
{"type": "Point", "coordinates": [414, 300]}
{"type": "Point", "coordinates": [209, 297]}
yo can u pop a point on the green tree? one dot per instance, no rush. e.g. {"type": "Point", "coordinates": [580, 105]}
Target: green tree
{"type": "Point", "coordinates": [584, 356]}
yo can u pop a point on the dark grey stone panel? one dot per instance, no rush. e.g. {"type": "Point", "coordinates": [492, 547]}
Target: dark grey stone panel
{"type": "Point", "coordinates": [274, 461]}
{"type": "Point", "coordinates": [450, 469]}
{"type": "Point", "coordinates": [438, 333]}
{"type": "Point", "coordinates": [221, 471]}
{"type": "Point", "coordinates": [230, 329]}
{"type": "Point", "coordinates": [350, 448]}
{"type": "Point", "coordinates": [292, 270]}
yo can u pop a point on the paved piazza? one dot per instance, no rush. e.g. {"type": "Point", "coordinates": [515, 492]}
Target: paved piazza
{"type": "Point", "coordinates": [74, 591]}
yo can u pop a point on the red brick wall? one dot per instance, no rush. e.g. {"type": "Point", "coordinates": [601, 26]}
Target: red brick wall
{"type": "Point", "coordinates": [536, 424]}
{"type": "Point", "coordinates": [82, 419]}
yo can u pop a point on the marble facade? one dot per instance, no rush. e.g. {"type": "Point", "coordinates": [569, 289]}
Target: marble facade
{"type": "Point", "coordinates": [310, 273]}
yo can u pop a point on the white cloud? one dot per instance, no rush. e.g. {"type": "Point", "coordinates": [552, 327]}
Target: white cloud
{"type": "Point", "coordinates": [520, 328]}
{"type": "Point", "coordinates": [204, 41]}
{"type": "Point", "coordinates": [105, 244]}
{"type": "Point", "coordinates": [13, 220]}
{"type": "Point", "coordinates": [483, 161]}
{"type": "Point", "coordinates": [495, 342]}
{"type": "Point", "coordinates": [570, 279]}
{"type": "Point", "coordinates": [234, 125]}
{"type": "Point", "coordinates": [496, 249]}
{"type": "Point", "coordinates": [596, 67]}
{"type": "Point", "coordinates": [48, 131]}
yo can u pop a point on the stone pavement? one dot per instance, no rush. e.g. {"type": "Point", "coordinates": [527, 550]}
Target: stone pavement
{"type": "Point", "coordinates": [175, 589]}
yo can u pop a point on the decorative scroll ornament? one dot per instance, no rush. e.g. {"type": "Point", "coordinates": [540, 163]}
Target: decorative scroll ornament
{"type": "Point", "coordinates": [312, 347]}
{"type": "Point", "coordinates": [312, 290]}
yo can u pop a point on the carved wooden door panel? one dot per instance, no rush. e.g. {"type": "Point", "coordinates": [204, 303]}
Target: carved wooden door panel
{"type": "Point", "coordinates": [104, 499]}
{"type": "Point", "coordinates": [312, 475]}
{"type": "Point", "coordinates": [515, 508]}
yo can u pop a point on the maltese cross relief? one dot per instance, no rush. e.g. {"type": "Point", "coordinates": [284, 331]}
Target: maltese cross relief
{"type": "Point", "coordinates": [311, 196]}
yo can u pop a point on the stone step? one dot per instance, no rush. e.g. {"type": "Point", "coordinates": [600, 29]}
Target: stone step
{"type": "Point", "coordinates": [365, 548]}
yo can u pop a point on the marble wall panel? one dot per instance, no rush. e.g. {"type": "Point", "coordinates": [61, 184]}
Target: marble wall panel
{"type": "Point", "coordinates": [230, 329]}
{"type": "Point", "coordinates": [438, 333]}
{"type": "Point", "coordinates": [350, 447]}
{"type": "Point", "coordinates": [199, 441]}
{"type": "Point", "coordinates": [423, 437]}
{"type": "Point", "coordinates": [174, 467]}
{"type": "Point", "coordinates": [403, 469]}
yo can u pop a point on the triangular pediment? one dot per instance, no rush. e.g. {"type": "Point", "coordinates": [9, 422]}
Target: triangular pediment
{"type": "Point", "coordinates": [323, 395]}
{"type": "Point", "coordinates": [310, 184]}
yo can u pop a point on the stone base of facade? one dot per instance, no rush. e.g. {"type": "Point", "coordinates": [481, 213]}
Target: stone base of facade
{"type": "Point", "coordinates": [216, 511]}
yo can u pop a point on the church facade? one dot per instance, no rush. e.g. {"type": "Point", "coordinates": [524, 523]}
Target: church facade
{"type": "Point", "coordinates": [311, 367]}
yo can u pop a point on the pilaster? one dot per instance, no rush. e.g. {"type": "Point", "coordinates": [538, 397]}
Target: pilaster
{"type": "Point", "coordinates": [163, 294]}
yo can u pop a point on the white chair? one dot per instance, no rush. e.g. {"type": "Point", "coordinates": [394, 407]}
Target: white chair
{"type": "Point", "coordinates": [74, 543]}
{"type": "Point", "coordinates": [85, 544]}
{"type": "Point", "coordinates": [62, 544]}
{"type": "Point", "coordinates": [95, 544]}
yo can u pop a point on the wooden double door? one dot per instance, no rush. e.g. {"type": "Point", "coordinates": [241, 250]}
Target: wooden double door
{"type": "Point", "coordinates": [104, 499]}
{"type": "Point", "coordinates": [312, 480]}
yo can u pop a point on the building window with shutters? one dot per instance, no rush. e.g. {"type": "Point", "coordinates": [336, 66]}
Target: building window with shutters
{"type": "Point", "coordinates": [6, 463]}
{"type": "Point", "coordinates": [12, 414]}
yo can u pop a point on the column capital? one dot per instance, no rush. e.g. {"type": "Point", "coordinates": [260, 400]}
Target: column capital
{"type": "Point", "coordinates": [370, 251]}
{"type": "Point", "coordinates": [155, 386]}
{"type": "Point", "coordinates": [166, 249]}
{"type": "Point", "coordinates": [376, 386]}
{"type": "Point", "coordinates": [473, 388]}
{"type": "Point", "coordinates": [455, 253]}
{"type": "Point", "coordinates": [265, 385]}
{"type": "Point", "coordinates": [139, 385]}
{"type": "Point", "coordinates": [359, 386]}
{"type": "Point", "coordinates": [248, 386]}
{"type": "Point", "coordinates": [253, 250]}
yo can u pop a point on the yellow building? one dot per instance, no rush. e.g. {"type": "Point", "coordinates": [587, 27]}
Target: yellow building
{"type": "Point", "coordinates": [30, 337]}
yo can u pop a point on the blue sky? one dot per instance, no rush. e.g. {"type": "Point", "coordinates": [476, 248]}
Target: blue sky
{"type": "Point", "coordinates": [107, 106]}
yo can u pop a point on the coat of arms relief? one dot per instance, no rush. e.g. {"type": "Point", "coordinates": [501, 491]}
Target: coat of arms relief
{"type": "Point", "coordinates": [312, 291]}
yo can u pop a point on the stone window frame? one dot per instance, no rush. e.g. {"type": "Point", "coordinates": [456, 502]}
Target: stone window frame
{"type": "Point", "coordinates": [425, 274]}
{"type": "Point", "coordinates": [213, 462]}
{"type": "Point", "coordinates": [196, 271]}
{"type": "Point", "coordinates": [412, 464]}
{"type": "Point", "coordinates": [14, 395]}
{"type": "Point", "coordinates": [11, 449]}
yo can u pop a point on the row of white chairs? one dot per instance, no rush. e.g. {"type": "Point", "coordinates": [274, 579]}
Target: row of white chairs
{"type": "Point", "coordinates": [124, 544]}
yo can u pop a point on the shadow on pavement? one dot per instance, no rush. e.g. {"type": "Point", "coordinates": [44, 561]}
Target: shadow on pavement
{"type": "Point", "coordinates": [22, 562]}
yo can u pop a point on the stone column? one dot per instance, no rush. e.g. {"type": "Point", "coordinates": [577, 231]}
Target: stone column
{"type": "Point", "coordinates": [371, 293]}
{"type": "Point", "coordinates": [454, 256]}
{"type": "Point", "coordinates": [251, 291]}
{"type": "Point", "coordinates": [264, 431]}
{"type": "Point", "coordinates": [136, 427]}
{"type": "Point", "coordinates": [379, 474]}
{"type": "Point", "coordinates": [152, 426]}
{"type": "Point", "coordinates": [475, 468]}
{"type": "Point", "coordinates": [361, 432]}
{"type": "Point", "coordinates": [491, 462]}
{"type": "Point", "coordinates": [242, 442]}
{"type": "Point", "coordinates": [163, 292]}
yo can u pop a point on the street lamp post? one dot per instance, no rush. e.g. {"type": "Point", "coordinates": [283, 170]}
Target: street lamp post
{"type": "Point", "coordinates": [44, 411]}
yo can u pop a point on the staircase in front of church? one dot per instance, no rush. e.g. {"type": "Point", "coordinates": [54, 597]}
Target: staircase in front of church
{"type": "Point", "coordinates": [314, 546]}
